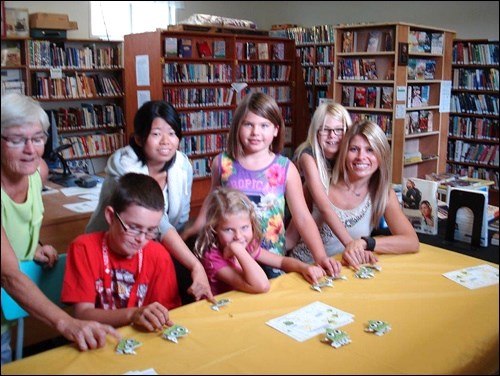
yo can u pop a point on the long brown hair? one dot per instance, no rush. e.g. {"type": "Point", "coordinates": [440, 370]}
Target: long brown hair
{"type": "Point", "coordinates": [379, 185]}
{"type": "Point", "coordinates": [261, 105]}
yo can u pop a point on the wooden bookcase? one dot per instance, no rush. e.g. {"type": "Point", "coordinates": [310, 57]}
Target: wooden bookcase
{"type": "Point", "coordinates": [315, 51]}
{"type": "Point", "coordinates": [201, 87]}
{"type": "Point", "coordinates": [376, 67]}
{"type": "Point", "coordinates": [80, 85]}
{"type": "Point", "coordinates": [474, 119]}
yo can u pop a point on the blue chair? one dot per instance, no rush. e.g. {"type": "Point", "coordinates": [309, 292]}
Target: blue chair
{"type": "Point", "coordinates": [50, 283]}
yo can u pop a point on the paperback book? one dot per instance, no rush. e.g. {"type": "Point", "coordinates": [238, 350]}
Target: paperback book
{"type": "Point", "coordinates": [171, 47]}
{"type": "Point", "coordinates": [278, 51]}
{"type": "Point", "coordinates": [420, 204]}
{"type": "Point", "coordinates": [219, 49]}
{"type": "Point", "coordinates": [185, 47]}
{"type": "Point", "coordinates": [204, 49]}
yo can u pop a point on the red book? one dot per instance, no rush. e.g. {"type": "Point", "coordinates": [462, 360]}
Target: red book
{"type": "Point", "coordinates": [204, 49]}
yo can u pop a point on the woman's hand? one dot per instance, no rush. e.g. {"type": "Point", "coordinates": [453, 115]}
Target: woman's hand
{"type": "Point", "coordinates": [355, 257]}
{"type": "Point", "coordinates": [46, 254]}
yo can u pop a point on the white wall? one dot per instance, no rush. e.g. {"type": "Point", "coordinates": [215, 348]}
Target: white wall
{"type": "Point", "coordinates": [471, 20]}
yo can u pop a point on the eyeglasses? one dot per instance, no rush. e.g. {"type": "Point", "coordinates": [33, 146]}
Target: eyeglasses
{"type": "Point", "coordinates": [17, 142]}
{"type": "Point", "coordinates": [133, 231]}
{"type": "Point", "coordinates": [328, 131]}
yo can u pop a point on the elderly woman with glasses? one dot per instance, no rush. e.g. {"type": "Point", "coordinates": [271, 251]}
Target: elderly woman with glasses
{"type": "Point", "coordinates": [23, 137]}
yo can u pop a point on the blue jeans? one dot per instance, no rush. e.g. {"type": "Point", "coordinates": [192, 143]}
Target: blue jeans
{"type": "Point", "coordinates": [6, 349]}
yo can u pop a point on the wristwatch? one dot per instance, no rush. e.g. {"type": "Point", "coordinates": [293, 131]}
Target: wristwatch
{"type": "Point", "coordinates": [370, 242]}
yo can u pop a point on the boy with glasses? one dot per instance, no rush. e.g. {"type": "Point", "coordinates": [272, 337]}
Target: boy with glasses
{"type": "Point", "coordinates": [124, 276]}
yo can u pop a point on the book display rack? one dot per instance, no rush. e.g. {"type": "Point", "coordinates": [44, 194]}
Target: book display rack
{"type": "Point", "coordinates": [205, 81]}
{"type": "Point", "coordinates": [80, 85]}
{"type": "Point", "coordinates": [393, 74]}
{"type": "Point", "coordinates": [474, 118]}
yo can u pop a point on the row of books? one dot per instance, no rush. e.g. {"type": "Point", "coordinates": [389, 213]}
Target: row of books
{"type": "Point", "coordinates": [180, 72]}
{"type": "Point", "coordinates": [475, 53]}
{"type": "Point", "coordinates": [418, 95]}
{"type": "Point", "coordinates": [89, 116]}
{"type": "Point", "coordinates": [198, 97]}
{"type": "Point", "coordinates": [94, 145]}
{"type": "Point", "coordinates": [418, 122]}
{"type": "Point", "coordinates": [367, 96]}
{"type": "Point", "coordinates": [263, 72]}
{"type": "Point", "coordinates": [77, 86]}
{"type": "Point", "coordinates": [478, 79]}
{"type": "Point", "coordinates": [46, 54]}
{"type": "Point", "coordinates": [371, 41]}
{"type": "Point", "coordinates": [420, 41]}
{"type": "Point", "coordinates": [315, 34]}
{"type": "Point", "coordinates": [201, 167]}
{"type": "Point", "coordinates": [481, 104]}
{"type": "Point", "coordinates": [282, 94]}
{"type": "Point", "coordinates": [357, 69]}
{"type": "Point", "coordinates": [472, 127]}
{"type": "Point", "coordinates": [384, 121]}
{"type": "Point", "coordinates": [421, 69]}
{"type": "Point", "coordinates": [316, 55]}
{"type": "Point", "coordinates": [462, 151]}
{"type": "Point", "coordinates": [260, 51]}
{"type": "Point", "coordinates": [206, 120]}
{"type": "Point", "coordinates": [319, 75]}
{"type": "Point", "coordinates": [203, 144]}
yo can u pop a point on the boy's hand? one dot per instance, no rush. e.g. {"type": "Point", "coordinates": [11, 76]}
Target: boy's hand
{"type": "Point", "coordinates": [152, 317]}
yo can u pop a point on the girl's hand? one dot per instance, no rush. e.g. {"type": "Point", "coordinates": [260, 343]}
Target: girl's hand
{"type": "Point", "coordinates": [331, 266]}
{"type": "Point", "coordinates": [312, 273]}
{"type": "Point", "coordinates": [47, 255]}
{"type": "Point", "coordinates": [152, 317]}
{"type": "Point", "coordinates": [356, 257]}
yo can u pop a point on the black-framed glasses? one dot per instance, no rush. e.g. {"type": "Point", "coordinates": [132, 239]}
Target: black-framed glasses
{"type": "Point", "coordinates": [133, 231]}
{"type": "Point", "coordinates": [328, 131]}
{"type": "Point", "coordinates": [17, 142]}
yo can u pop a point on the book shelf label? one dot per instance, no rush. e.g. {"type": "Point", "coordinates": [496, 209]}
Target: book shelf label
{"type": "Point", "coordinates": [445, 96]}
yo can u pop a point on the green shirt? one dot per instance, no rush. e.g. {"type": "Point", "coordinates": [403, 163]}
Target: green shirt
{"type": "Point", "coordinates": [22, 223]}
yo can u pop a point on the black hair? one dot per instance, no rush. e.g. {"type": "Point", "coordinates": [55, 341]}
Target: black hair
{"type": "Point", "coordinates": [143, 121]}
{"type": "Point", "coordinates": [138, 189]}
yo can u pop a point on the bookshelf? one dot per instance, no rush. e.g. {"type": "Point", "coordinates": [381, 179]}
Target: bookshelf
{"type": "Point", "coordinates": [315, 51]}
{"type": "Point", "coordinates": [206, 83]}
{"type": "Point", "coordinates": [474, 119]}
{"type": "Point", "coordinates": [80, 85]}
{"type": "Point", "coordinates": [13, 65]}
{"type": "Point", "coordinates": [377, 67]}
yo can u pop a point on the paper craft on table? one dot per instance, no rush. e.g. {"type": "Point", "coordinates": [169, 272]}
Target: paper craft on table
{"type": "Point", "coordinates": [82, 207]}
{"type": "Point", "coordinates": [475, 276]}
{"type": "Point", "coordinates": [311, 320]}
